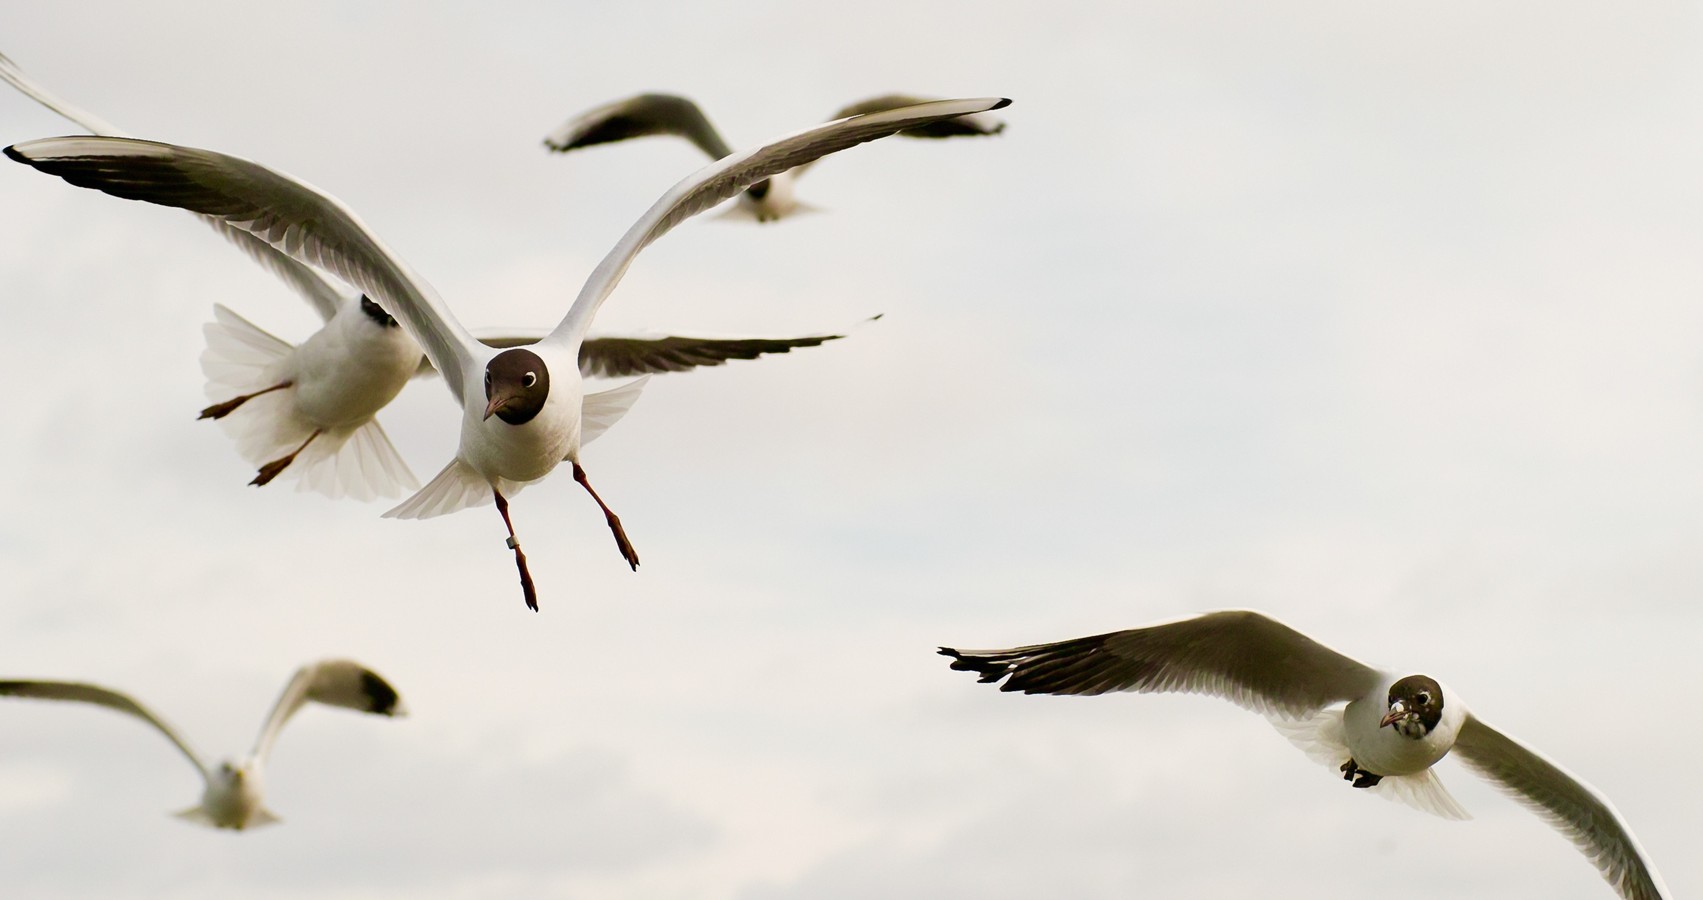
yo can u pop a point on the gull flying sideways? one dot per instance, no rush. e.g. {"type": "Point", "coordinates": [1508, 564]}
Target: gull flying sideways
{"type": "Point", "coordinates": [235, 789]}
{"type": "Point", "coordinates": [524, 409]}
{"type": "Point", "coordinates": [766, 200]}
{"type": "Point", "coordinates": [1392, 730]}
{"type": "Point", "coordinates": [307, 410]}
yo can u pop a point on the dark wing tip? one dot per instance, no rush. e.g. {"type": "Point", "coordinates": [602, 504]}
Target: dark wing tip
{"type": "Point", "coordinates": [381, 697]}
{"type": "Point", "coordinates": [1003, 103]}
{"type": "Point", "coordinates": [987, 670]}
{"type": "Point", "coordinates": [12, 151]}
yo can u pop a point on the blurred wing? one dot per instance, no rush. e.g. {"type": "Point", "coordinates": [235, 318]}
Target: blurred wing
{"type": "Point", "coordinates": [334, 682]}
{"type": "Point", "coordinates": [291, 216]}
{"type": "Point", "coordinates": [972, 125]}
{"type": "Point", "coordinates": [1253, 661]}
{"type": "Point", "coordinates": [88, 693]}
{"type": "Point", "coordinates": [727, 177]}
{"type": "Point", "coordinates": [1568, 804]}
{"type": "Point", "coordinates": [313, 287]}
{"type": "Point", "coordinates": [639, 116]}
{"type": "Point", "coordinates": [616, 357]}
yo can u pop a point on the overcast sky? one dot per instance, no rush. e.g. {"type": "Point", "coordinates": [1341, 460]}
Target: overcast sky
{"type": "Point", "coordinates": [1383, 318]}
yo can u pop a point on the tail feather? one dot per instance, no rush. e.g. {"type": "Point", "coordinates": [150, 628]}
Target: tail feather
{"type": "Point", "coordinates": [457, 487]}
{"type": "Point", "coordinates": [360, 463]}
{"type": "Point", "coordinates": [240, 356]}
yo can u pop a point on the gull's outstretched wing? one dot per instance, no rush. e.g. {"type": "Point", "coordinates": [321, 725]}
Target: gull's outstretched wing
{"type": "Point", "coordinates": [1242, 656]}
{"type": "Point", "coordinates": [89, 693]}
{"type": "Point", "coordinates": [313, 287]}
{"type": "Point", "coordinates": [727, 177]}
{"type": "Point", "coordinates": [334, 682]}
{"type": "Point", "coordinates": [972, 125]}
{"type": "Point", "coordinates": [290, 215]}
{"type": "Point", "coordinates": [1570, 805]}
{"type": "Point", "coordinates": [617, 357]}
{"type": "Point", "coordinates": [638, 116]}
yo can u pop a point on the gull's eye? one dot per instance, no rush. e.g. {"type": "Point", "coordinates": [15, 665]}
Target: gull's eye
{"type": "Point", "coordinates": [1424, 698]}
{"type": "Point", "coordinates": [528, 380]}
{"type": "Point", "coordinates": [487, 381]}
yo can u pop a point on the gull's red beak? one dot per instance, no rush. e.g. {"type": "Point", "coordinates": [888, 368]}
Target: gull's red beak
{"type": "Point", "coordinates": [1398, 710]}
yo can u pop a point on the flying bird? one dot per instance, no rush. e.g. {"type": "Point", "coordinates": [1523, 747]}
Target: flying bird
{"type": "Point", "coordinates": [235, 789]}
{"type": "Point", "coordinates": [1391, 732]}
{"type": "Point", "coordinates": [308, 410]}
{"type": "Point", "coordinates": [767, 200]}
{"type": "Point", "coordinates": [523, 408]}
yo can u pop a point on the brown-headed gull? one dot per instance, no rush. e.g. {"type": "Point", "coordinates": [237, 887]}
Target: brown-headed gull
{"type": "Point", "coordinates": [1383, 730]}
{"type": "Point", "coordinates": [524, 409]}
{"type": "Point", "coordinates": [234, 793]}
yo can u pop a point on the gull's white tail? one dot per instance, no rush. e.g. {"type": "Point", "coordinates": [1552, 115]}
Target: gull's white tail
{"type": "Point", "coordinates": [358, 462]}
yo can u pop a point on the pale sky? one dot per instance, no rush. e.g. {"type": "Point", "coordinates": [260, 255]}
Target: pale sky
{"type": "Point", "coordinates": [1382, 318]}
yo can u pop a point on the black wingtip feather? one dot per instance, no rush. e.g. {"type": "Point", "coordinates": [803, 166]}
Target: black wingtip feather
{"type": "Point", "coordinates": [381, 697]}
{"type": "Point", "coordinates": [1003, 103]}
{"type": "Point", "coordinates": [12, 151]}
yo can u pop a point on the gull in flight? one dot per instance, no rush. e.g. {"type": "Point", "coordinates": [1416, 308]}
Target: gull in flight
{"type": "Point", "coordinates": [234, 793]}
{"type": "Point", "coordinates": [308, 410]}
{"type": "Point", "coordinates": [1392, 730]}
{"type": "Point", "coordinates": [767, 200]}
{"type": "Point", "coordinates": [524, 409]}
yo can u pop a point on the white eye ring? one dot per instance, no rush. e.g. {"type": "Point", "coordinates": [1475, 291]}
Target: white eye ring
{"type": "Point", "coordinates": [528, 380]}
{"type": "Point", "coordinates": [1423, 697]}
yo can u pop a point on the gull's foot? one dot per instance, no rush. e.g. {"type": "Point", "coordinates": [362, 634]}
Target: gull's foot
{"type": "Point", "coordinates": [221, 410]}
{"type": "Point", "coordinates": [271, 470]}
{"type": "Point", "coordinates": [526, 588]}
{"type": "Point", "coordinates": [626, 546]}
{"type": "Point", "coordinates": [1351, 771]}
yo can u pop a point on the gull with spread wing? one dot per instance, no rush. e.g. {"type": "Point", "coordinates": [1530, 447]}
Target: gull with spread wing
{"type": "Point", "coordinates": [523, 409]}
{"type": "Point", "coordinates": [308, 410]}
{"type": "Point", "coordinates": [234, 793]}
{"type": "Point", "coordinates": [1386, 735]}
{"type": "Point", "coordinates": [767, 200]}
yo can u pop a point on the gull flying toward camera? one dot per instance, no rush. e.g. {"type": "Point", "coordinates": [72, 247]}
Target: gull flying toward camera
{"type": "Point", "coordinates": [308, 410]}
{"type": "Point", "coordinates": [235, 789]}
{"type": "Point", "coordinates": [1393, 729]}
{"type": "Point", "coordinates": [523, 409]}
{"type": "Point", "coordinates": [767, 200]}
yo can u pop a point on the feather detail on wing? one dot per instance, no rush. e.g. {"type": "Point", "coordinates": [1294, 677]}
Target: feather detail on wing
{"type": "Point", "coordinates": [99, 696]}
{"type": "Point", "coordinates": [602, 409]}
{"type": "Point", "coordinates": [1568, 804]}
{"type": "Point", "coordinates": [291, 216]}
{"type": "Point", "coordinates": [638, 116]}
{"type": "Point", "coordinates": [332, 682]}
{"type": "Point", "coordinates": [1242, 656]}
{"type": "Point", "coordinates": [727, 177]}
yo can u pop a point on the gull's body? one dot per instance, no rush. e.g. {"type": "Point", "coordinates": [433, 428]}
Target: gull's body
{"type": "Point", "coordinates": [308, 410]}
{"type": "Point", "coordinates": [1383, 730]}
{"type": "Point", "coordinates": [768, 200]}
{"type": "Point", "coordinates": [233, 793]}
{"type": "Point", "coordinates": [523, 408]}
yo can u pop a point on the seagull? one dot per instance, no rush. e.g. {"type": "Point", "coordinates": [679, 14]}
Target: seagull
{"type": "Point", "coordinates": [523, 408]}
{"type": "Point", "coordinates": [1393, 729]}
{"type": "Point", "coordinates": [234, 793]}
{"type": "Point", "coordinates": [308, 410]}
{"type": "Point", "coordinates": [767, 200]}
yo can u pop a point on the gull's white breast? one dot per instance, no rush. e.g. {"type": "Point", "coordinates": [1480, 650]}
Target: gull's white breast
{"type": "Point", "coordinates": [1384, 750]}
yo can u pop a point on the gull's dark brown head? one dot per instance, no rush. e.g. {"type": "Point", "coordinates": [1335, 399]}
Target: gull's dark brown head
{"type": "Point", "coordinates": [516, 385]}
{"type": "Point", "coordinates": [1416, 706]}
